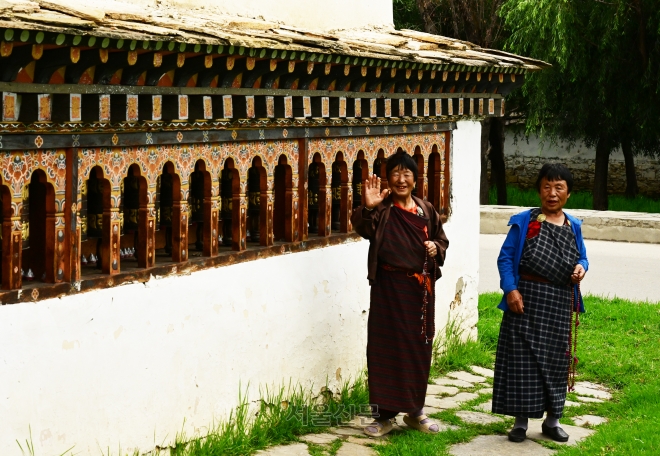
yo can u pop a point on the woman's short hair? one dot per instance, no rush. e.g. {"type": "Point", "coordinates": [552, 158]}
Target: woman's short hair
{"type": "Point", "coordinates": [403, 160]}
{"type": "Point", "coordinates": [555, 172]}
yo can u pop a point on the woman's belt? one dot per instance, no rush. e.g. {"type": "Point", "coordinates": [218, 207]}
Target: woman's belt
{"type": "Point", "coordinates": [421, 278]}
{"type": "Point", "coordinates": [534, 278]}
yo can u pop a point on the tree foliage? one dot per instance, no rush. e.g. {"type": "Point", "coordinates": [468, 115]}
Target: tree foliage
{"type": "Point", "coordinates": [603, 88]}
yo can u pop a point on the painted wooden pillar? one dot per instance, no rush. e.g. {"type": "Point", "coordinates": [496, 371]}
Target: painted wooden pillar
{"type": "Point", "coordinates": [12, 249]}
{"type": "Point", "coordinates": [303, 183]}
{"type": "Point", "coordinates": [239, 215]}
{"type": "Point", "coordinates": [72, 222]}
{"type": "Point", "coordinates": [146, 248]}
{"type": "Point", "coordinates": [266, 236]}
{"type": "Point", "coordinates": [291, 209]}
{"type": "Point", "coordinates": [180, 226]}
{"type": "Point", "coordinates": [111, 242]}
{"type": "Point", "coordinates": [295, 205]}
{"type": "Point", "coordinates": [346, 206]}
{"type": "Point", "coordinates": [325, 203]}
{"type": "Point", "coordinates": [435, 172]}
{"type": "Point", "coordinates": [210, 228]}
{"type": "Point", "coordinates": [55, 244]}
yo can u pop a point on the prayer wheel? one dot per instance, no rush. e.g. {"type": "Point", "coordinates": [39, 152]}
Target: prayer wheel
{"type": "Point", "coordinates": [254, 203]}
{"type": "Point", "coordinates": [313, 188]}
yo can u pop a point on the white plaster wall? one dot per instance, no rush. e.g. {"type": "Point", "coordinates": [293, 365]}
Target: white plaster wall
{"type": "Point", "coordinates": [457, 289]}
{"type": "Point", "coordinates": [126, 366]}
{"type": "Point", "coordinates": [307, 14]}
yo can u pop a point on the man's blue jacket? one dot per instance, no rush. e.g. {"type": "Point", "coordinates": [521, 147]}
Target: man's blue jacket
{"type": "Point", "coordinates": [511, 253]}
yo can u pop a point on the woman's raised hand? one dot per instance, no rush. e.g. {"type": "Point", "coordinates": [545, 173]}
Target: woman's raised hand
{"type": "Point", "coordinates": [371, 192]}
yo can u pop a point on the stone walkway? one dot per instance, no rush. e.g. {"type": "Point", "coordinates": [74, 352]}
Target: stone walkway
{"type": "Point", "coordinates": [451, 392]}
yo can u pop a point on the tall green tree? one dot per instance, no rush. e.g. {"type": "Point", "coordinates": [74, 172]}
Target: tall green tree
{"type": "Point", "coordinates": [604, 87]}
{"type": "Point", "coordinates": [476, 21]}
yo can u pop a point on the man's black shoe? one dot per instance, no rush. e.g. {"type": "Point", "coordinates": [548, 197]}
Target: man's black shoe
{"type": "Point", "coordinates": [517, 434]}
{"type": "Point", "coordinates": [556, 433]}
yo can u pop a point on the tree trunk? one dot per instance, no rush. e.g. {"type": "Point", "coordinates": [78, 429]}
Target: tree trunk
{"type": "Point", "coordinates": [496, 155]}
{"type": "Point", "coordinates": [631, 176]}
{"type": "Point", "coordinates": [600, 175]}
{"type": "Point", "coordinates": [426, 10]}
{"type": "Point", "coordinates": [485, 132]}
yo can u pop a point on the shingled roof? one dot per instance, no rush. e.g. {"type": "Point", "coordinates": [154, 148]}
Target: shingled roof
{"type": "Point", "coordinates": [115, 20]}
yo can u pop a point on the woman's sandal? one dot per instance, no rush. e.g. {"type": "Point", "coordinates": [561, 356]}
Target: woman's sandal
{"type": "Point", "coordinates": [416, 423]}
{"type": "Point", "coordinates": [378, 428]}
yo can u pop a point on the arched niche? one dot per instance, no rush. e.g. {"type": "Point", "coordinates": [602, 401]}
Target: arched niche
{"type": "Point", "coordinates": [135, 250]}
{"type": "Point", "coordinates": [95, 215]}
{"type": "Point", "coordinates": [434, 179]}
{"type": "Point", "coordinates": [230, 191]}
{"type": "Point", "coordinates": [341, 204]}
{"type": "Point", "coordinates": [317, 205]}
{"type": "Point", "coordinates": [283, 216]}
{"type": "Point", "coordinates": [420, 186]}
{"type": "Point", "coordinates": [168, 194]}
{"type": "Point", "coordinates": [201, 214]}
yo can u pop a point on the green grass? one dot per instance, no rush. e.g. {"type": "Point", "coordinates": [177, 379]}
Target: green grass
{"type": "Point", "coordinates": [618, 346]}
{"type": "Point", "coordinates": [578, 200]}
{"type": "Point", "coordinates": [280, 417]}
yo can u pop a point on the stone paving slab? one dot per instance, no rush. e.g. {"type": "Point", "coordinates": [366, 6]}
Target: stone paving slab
{"type": "Point", "coordinates": [589, 399]}
{"type": "Point", "coordinates": [442, 426]}
{"type": "Point", "coordinates": [319, 439]}
{"type": "Point", "coordinates": [498, 445]}
{"type": "Point", "coordinates": [353, 449]}
{"type": "Point", "coordinates": [485, 391]}
{"type": "Point", "coordinates": [486, 406]}
{"type": "Point", "coordinates": [367, 441]}
{"type": "Point", "coordinates": [345, 431]}
{"type": "Point", "coordinates": [466, 376]}
{"type": "Point", "coordinates": [589, 420]}
{"type": "Point", "coordinates": [576, 433]}
{"type": "Point", "coordinates": [441, 389]}
{"type": "Point", "coordinates": [450, 401]}
{"type": "Point", "coordinates": [598, 393]}
{"type": "Point", "coordinates": [483, 371]}
{"type": "Point", "coordinates": [571, 404]}
{"type": "Point", "coordinates": [296, 449]}
{"type": "Point", "coordinates": [477, 417]}
{"type": "Point", "coordinates": [453, 382]}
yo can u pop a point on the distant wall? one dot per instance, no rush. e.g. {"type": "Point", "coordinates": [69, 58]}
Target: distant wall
{"type": "Point", "coordinates": [524, 158]}
{"type": "Point", "coordinates": [308, 14]}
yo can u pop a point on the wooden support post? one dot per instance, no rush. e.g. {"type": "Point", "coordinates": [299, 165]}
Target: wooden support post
{"type": "Point", "coordinates": [303, 179]}
{"type": "Point", "coordinates": [111, 242]}
{"type": "Point", "coordinates": [239, 217]}
{"type": "Point", "coordinates": [325, 204]}
{"type": "Point", "coordinates": [180, 227]}
{"type": "Point", "coordinates": [210, 228]}
{"type": "Point", "coordinates": [346, 207]}
{"type": "Point", "coordinates": [12, 252]}
{"type": "Point", "coordinates": [146, 248]}
{"type": "Point", "coordinates": [72, 223]}
{"type": "Point", "coordinates": [266, 236]}
{"type": "Point", "coordinates": [290, 211]}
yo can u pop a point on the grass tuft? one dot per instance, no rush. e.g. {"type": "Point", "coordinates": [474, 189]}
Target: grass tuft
{"type": "Point", "coordinates": [279, 417]}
